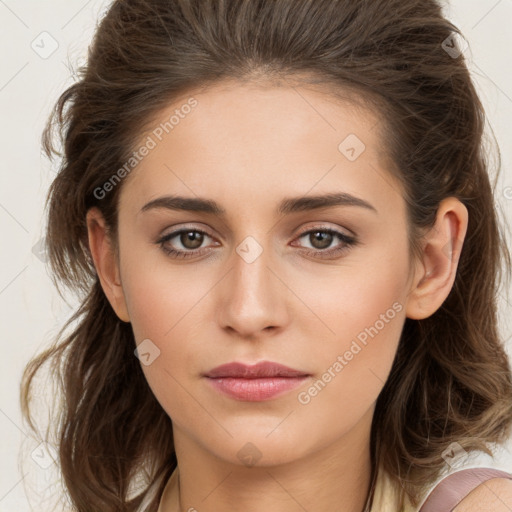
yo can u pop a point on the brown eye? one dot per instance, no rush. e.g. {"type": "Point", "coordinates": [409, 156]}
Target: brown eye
{"type": "Point", "coordinates": [183, 243]}
{"type": "Point", "coordinates": [321, 242]}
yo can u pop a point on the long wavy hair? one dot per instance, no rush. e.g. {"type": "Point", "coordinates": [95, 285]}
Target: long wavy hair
{"type": "Point", "coordinates": [451, 379]}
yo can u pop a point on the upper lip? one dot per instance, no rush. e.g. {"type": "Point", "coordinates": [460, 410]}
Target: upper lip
{"type": "Point", "coordinates": [259, 370]}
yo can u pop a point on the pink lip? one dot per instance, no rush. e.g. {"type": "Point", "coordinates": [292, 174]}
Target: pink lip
{"type": "Point", "coordinates": [255, 383]}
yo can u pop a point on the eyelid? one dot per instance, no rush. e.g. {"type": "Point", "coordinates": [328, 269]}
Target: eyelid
{"type": "Point", "coordinates": [177, 230]}
{"type": "Point", "coordinates": [323, 227]}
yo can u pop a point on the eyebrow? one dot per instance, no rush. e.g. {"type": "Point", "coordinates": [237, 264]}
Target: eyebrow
{"type": "Point", "coordinates": [287, 206]}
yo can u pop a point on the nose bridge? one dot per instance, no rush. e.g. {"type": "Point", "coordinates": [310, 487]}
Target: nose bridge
{"type": "Point", "coordinates": [252, 296]}
{"type": "Point", "coordinates": [251, 272]}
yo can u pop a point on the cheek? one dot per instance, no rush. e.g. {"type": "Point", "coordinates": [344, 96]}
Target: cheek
{"type": "Point", "coordinates": [159, 297]}
{"type": "Point", "coordinates": [352, 371]}
{"type": "Point", "coordinates": [168, 319]}
{"type": "Point", "coordinates": [364, 308]}
{"type": "Point", "coordinates": [165, 307]}
{"type": "Point", "coordinates": [363, 299]}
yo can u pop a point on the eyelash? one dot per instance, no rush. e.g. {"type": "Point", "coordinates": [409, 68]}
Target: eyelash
{"type": "Point", "coordinates": [348, 242]}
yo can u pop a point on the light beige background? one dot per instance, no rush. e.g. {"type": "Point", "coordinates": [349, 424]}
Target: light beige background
{"type": "Point", "coordinates": [30, 82]}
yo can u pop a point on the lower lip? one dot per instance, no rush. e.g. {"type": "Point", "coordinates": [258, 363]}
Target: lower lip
{"type": "Point", "coordinates": [256, 390]}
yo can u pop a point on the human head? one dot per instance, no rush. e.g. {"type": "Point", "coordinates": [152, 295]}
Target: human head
{"type": "Point", "coordinates": [394, 64]}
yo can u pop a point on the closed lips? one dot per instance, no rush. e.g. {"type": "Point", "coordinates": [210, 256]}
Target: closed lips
{"type": "Point", "coordinates": [264, 369]}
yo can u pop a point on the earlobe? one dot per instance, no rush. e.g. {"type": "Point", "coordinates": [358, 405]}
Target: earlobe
{"type": "Point", "coordinates": [437, 269]}
{"type": "Point", "coordinates": [105, 261]}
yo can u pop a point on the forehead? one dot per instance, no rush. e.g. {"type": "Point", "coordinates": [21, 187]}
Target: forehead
{"type": "Point", "coordinates": [281, 139]}
{"type": "Point", "coordinates": [265, 108]}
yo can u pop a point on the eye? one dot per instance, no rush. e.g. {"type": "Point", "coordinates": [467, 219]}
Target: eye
{"type": "Point", "coordinates": [322, 238]}
{"type": "Point", "coordinates": [190, 239]}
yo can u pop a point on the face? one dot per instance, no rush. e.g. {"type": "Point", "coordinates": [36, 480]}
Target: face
{"type": "Point", "coordinates": [271, 274]}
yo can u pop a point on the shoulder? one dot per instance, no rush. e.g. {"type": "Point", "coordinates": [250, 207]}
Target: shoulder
{"type": "Point", "coordinates": [494, 495]}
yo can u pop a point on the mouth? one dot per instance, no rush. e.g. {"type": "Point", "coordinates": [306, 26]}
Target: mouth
{"type": "Point", "coordinates": [255, 383]}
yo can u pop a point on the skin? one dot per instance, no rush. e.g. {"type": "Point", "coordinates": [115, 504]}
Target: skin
{"type": "Point", "coordinates": [248, 147]}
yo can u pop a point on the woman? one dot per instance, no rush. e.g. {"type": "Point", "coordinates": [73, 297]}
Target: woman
{"type": "Point", "coordinates": [280, 216]}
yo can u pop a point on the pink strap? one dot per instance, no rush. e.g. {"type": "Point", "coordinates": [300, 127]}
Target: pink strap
{"type": "Point", "coordinates": [450, 491]}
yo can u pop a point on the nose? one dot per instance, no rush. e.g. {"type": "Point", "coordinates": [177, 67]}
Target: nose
{"type": "Point", "coordinates": [253, 297]}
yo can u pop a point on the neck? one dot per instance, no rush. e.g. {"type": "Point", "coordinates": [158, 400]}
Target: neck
{"type": "Point", "coordinates": [333, 477]}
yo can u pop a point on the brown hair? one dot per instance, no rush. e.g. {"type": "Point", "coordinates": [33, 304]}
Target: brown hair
{"type": "Point", "coordinates": [451, 379]}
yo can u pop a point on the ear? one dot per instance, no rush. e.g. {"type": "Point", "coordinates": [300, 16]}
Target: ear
{"type": "Point", "coordinates": [437, 268]}
{"type": "Point", "coordinates": [106, 263]}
